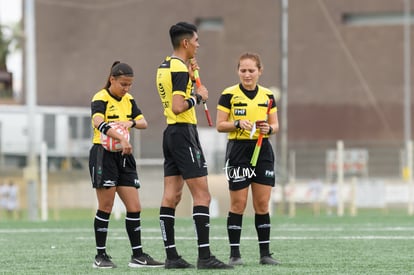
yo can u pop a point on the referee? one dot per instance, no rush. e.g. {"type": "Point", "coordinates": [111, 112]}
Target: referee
{"type": "Point", "coordinates": [116, 172]}
{"type": "Point", "coordinates": [183, 156]}
{"type": "Point", "coordinates": [241, 112]}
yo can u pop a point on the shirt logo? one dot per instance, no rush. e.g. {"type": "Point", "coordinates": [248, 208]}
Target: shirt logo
{"type": "Point", "coordinates": [239, 112]}
{"type": "Point", "coordinates": [161, 90]}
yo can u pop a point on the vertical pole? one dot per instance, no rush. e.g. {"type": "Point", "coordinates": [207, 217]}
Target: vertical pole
{"type": "Point", "coordinates": [292, 183]}
{"type": "Point", "coordinates": [43, 180]}
{"type": "Point", "coordinates": [352, 205]}
{"type": "Point", "coordinates": [407, 103]}
{"type": "Point", "coordinates": [284, 98]}
{"type": "Point", "coordinates": [1, 148]}
{"type": "Point", "coordinates": [31, 172]}
{"type": "Point", "coordinates": [340, 174]}
{"type": "Point", "coordinates": [407, 71]}
{"type": "Point", "coordinates": [410, 177]}
{"type": "Point", "coordinates": [273, 197]}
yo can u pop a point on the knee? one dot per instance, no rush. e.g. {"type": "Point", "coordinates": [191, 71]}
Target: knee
{"type": "Point", "coordinates": [176, 200]}
{"type": "Point", "coordinates": [202, 199]}
{"type": "Point", "coordinates": [261, 207]}
{"type": "Point", "coordinates": [172, 200]}
{"type": "Point", "coordinates": [106, 207]}
{"type": "Point", "coordinates": [238, 207]}
{"type": "Point", "coordinates": [133, 207]}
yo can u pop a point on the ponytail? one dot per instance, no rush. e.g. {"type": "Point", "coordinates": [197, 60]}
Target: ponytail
{"type": "Point", "coordinates": [119, 69]}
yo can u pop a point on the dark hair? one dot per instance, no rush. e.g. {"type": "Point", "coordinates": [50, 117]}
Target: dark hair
{"type": "Point", "coordinates": [119, 69]}
{"type": "Point", "coordinates": [180, 31]}
{"type": "Point", "coordinates": [253, 56]}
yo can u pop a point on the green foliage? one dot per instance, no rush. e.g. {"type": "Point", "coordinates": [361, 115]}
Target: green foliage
{"type": "Point", "coordinates": [4, 50]}
{"type": "Point", "coordinates": [7, 41]}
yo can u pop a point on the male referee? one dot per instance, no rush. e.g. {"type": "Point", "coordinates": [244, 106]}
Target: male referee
{"type": "Point", "coordinates": [183, 156]}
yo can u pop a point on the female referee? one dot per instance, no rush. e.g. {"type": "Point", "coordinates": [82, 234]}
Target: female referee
{"type": "Point", "coordinates": [241, 110]}
{"type": "Point", "coordinates": [115, 172]}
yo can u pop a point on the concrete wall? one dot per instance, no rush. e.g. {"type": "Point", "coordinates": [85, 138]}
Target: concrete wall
{"type": "Point", "coordinates": [345, 81]}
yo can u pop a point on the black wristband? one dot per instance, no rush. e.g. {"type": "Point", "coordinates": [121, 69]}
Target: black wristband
{"type": "Point", "coordinates": [270, 130]}
{"type": "Point", "coordinates": [199, 98]}
{"type": "Point", "coordinates": [191, 102]}
{"type": "Point", "coordinates": [237, 124]}
{"type": "Point", "coordinates": [133, 123]}
{"type": "Point", "coordinates": [104, 127]}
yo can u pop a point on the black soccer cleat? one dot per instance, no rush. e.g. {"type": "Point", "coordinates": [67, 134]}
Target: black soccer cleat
{"type": "Point", "coordinates": [212, 263]}
{"type": "Point", "coordinates": [235, 261]}
{"type": "Point", "coordinates": [103, 261]}
{"type": "Point", "coordinates": [268, 260]}
{"type": "Point", "coordinates": [177, 263]}
{"type": "Point", "coordinates": [144, 260]}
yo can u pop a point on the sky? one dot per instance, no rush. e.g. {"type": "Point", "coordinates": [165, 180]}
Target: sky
{"type": "Point", "coordinates": [10, 13]}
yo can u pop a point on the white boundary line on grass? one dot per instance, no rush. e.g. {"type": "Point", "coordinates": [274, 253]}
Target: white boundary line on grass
{"type": "Point", "coordinates": [278, 238]}
{"type": "Point", "coordinates": [178, 230]}
{"type": "Point", "coordinates": [276, 231]}
{"type": "Point", "coordinates": [254, 238]}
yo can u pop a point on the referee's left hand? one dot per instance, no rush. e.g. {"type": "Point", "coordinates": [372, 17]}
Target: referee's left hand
{"type": "Point", "coordinates": [126, 147]}
{"type": "Point", "coordinates": [264, 127]}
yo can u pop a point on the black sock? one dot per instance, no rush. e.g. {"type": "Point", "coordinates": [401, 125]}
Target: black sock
{"type": "Point", "coordinates": [201, 217]}
{"type": "Point", "coordinates": [167, 220]}
{"type": "Point", "coordinates": [234, 228]}
{"type": "Point", "coordinates": [262, 223]}
{"type": "Point", "coordinates": [101, 230]}
{"type": "Point", "coordinates": [133, 228]}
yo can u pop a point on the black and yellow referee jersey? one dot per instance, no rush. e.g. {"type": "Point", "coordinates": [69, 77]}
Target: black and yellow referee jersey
{"type": "Point", "coordinates": [173, 79]}
{"type": "Point", "coordinates": [245, 105]}
{"type": "Point", "coordinates": [112, 109]}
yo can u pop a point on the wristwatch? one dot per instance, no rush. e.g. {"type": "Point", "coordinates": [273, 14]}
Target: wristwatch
{"type": "Point", "coordinates": [237, 124]}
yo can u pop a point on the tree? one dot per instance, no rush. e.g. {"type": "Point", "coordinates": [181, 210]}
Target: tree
{"type": "Point", "coordinates": [4, 49]}
{"type": "Point", "coordinates": [10, 40]}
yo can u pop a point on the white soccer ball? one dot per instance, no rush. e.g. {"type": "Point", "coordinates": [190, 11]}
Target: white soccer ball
{"type": "Point", "coordinates": [111, 144]}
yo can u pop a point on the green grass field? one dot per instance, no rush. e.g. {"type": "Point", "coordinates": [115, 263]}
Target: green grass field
{"type": "Point", "coordinates": [373, 242]}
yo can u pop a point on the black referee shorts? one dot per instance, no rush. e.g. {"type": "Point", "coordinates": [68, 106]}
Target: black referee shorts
{"type": "Point", "coordinates": [239, 172]}
{"type": "Point", "coordinates": [108, 169]}
{"type": "Point", "coordinates": [182, 152]}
